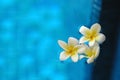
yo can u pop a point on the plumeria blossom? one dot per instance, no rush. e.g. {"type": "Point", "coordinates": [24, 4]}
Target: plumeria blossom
{"type": "Point", "coordinates": [71, 49]}
{"type": "Point", "coordinates": [91, 52]}
{"type": "Point", "coordinates": [92, 35]}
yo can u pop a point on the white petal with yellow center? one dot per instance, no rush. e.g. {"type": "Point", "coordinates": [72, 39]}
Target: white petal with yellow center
{"type": "Point", "coordinates": [71, 49]}
{"type": "Point", "coordinates": [92, 52]}
{"type": "Point", "coordinates": [91, 35]}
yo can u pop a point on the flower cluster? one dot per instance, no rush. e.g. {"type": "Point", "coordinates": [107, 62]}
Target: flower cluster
{"type": "Point", "coordinates": [78, 49]}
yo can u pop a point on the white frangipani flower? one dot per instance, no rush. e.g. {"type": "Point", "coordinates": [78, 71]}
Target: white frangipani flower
{"type": "Point", "coordinates": [71, 49]}
{"type": "Point", "coordinates": [92, 35]}
{"type": "Point", "coordinates": [91, 52]}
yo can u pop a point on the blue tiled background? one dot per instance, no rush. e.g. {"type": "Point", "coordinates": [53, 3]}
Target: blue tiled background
{"type": "Point", "coordinates": [29, 30]}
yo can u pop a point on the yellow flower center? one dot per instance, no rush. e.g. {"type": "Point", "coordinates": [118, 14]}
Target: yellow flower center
{"type": "Point", "coordinates": [90, 53]}
{"type": "Point", "coordinates": [71, 50]}
{"type": "Point", "coordinates": [92, 37]}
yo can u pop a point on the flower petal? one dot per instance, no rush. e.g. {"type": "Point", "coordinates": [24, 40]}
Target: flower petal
{"type": "Point", "coordinates": [81, 57]}
{"type": "Point", "coordinates": [90, 60]}
{"type": "Point", "coordinates": [87, 49]}
{"type": "Point", "coordinates": [91, 43]}
{"type": "Point", "coordinates": [100, 38]}
{"type": "Point", "coordinates": [64, 56]}
{"type": "Point", "coordinates": [62, 44]}
{"type": "Point", "coordinates": [83, 39]}
{"type": "Point", "coordinates": [74, 58]}
{"type": "Point", "coordinates": [96, 50]}
{"type": "Point", "coordinates": [72, 41]}
{"type": "Point", "coordinates": [85, 31]}
{"type": "Point", "coordinates": [81, 48]}
{"type": "Point", "coordinates": [95, 28]}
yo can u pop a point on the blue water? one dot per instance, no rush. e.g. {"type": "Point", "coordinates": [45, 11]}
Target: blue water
{"type": "Point", "coordinates": [29, 30]}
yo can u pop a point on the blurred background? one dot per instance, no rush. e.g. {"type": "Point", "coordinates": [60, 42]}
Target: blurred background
{"type": "Point", "coordinates": [29, 30]}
